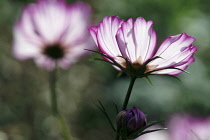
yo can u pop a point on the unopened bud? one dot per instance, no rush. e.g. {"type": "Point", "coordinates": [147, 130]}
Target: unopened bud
{"type": "Point", "coordinates": [131, 120]}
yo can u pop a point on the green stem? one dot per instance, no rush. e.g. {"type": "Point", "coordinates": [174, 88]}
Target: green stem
{"type": "Point", "coordinates": [117, 136]}
{"type": "Point", "coordinates": [127, 97]}
{"type": "Point", "coordinates": [128, 93]}
{"type": "Point", "coordinates": [55, 111]}
{"type": "Point", "coordinates": [53, 80]}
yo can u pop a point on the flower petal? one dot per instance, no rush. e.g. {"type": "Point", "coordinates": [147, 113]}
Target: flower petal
{"type": "Point", "coordinates": [107, 30]}
{"type": "Point", "coordinates": [78, 21]}
{"type": "Point", "coordinates": [126, 42]}
{"type": "Point", "coordinates": [93, 31]}
{"type": "Point", "coordinates": [174, 45]}
{"type": "Point", "coordinates": [50, 19]}
{"type": "Point", "coordinates": [176, 51]}
{"type": "Point", "coordinates": [24, 48]}
{"type": "Point", "coordinates": [75, 52]}
{"type": "Point", "coordinates": [145, 38]}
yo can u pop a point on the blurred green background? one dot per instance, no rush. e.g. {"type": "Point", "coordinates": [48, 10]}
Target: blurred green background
{"type": "Point", "coordinates": [24, 90]}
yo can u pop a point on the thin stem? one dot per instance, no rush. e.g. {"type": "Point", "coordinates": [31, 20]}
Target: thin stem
{"type": "Point", "coordinates": [117, 137]}
{"type": "Point", "coordinates": [128, 93]}
{"type": "Point", "coordinates": [53, 84]}
{"type": "Point", "coordinates": [55, 111]}
{"type": "Point", "coordinates": [127, 97]}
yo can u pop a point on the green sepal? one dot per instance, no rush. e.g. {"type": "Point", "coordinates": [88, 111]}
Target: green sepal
{"type": "Point", "coordinates": [150, 131]}
{"type": "Point", "coordinates": [119, 74]}
{"type": "Point", "coordinates": [150, 60]}
{"type": "Point", "coordinates": [142, 69]}
{"type": "Point", "coordinates": [113, 62]}
{"type": "Point", "coordinates": [149, 73]}
{"type": "Point", "coordinates": [149, 80]}
{"type": "Point", "coordinates": [123, 130]}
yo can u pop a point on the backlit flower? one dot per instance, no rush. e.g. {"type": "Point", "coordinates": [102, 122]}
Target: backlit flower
{"type": "Point", "coordinates": [131, 47]}
{"type": "Point", "coordinates": [51, 31]}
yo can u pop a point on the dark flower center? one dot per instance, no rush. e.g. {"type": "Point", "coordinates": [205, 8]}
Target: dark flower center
{"type": "Point", "coordinates": [54, 51]}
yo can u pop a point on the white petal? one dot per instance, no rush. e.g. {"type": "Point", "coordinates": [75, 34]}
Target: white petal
{"type": "Point", "coordinates": [174, 52]}
{"type": "Point", "coordinates": [78, 21]}
{"type": "Point", "coordinates": [106, 36]}
{"type": "Point", "coordinates": [50, 19]}
{"type": "Point", "coordinates": [174, 45]}
{"type": "Point", "coordinates": [145, 38]}
{"type": "Point", "coordinates": [125, 38]}
{"type": "Point", "coordinates": [23, 47]}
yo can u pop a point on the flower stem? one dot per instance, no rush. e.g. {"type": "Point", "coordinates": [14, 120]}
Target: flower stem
{"type": "Point", "coordinates": [54, 105]}
{"type": "Point", "coordinates": [128, 93]}
{"type": "Point", "coordinates": [53, 80]}
{"type": "Point", "coordinates": [127, 97]}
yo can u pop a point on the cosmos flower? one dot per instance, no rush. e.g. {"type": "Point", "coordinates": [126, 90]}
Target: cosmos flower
{"type": "Point", "coordinates": [131, 47]}
{"type": "Point", "coordinates": [52, 33]}
{"type": "Point", "coordinates": [186, 127]}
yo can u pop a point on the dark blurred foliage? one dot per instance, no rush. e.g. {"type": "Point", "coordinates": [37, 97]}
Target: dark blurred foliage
{"type": "Point", "coordinates": [24, 95]}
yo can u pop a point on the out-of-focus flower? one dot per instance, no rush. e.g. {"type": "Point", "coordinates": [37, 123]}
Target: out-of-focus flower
{"type": "Point", "coordinates": [158, 135]}
{"type": "Point", "coordinates": [130, 120]}
{"type": "Point", "coordinates": [51, 31]}
{"type": "Point", "coordinates": [185, 127]}
{"type": "Point", "coordinates": [132, 45]}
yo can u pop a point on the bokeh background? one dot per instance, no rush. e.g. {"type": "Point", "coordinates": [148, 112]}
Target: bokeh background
{"type": "Point", "coordinates": [24, 91]}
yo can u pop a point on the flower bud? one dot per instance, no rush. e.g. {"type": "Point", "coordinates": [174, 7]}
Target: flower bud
{"type": "Point", "coordinates": [130, 120]}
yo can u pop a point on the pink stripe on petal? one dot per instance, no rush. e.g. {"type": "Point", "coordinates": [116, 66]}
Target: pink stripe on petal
{"type": "Point", "coordinates": [186, 56]}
